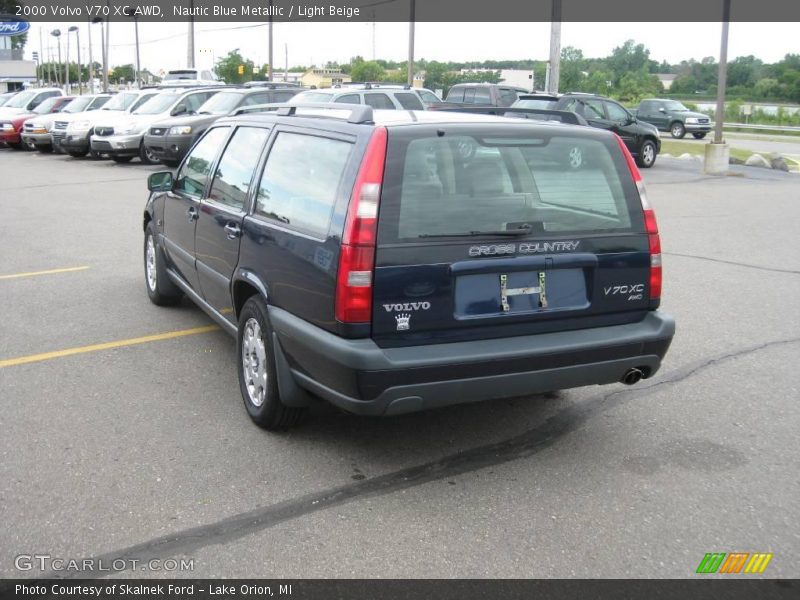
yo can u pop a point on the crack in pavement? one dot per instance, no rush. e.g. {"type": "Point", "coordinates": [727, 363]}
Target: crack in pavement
{"type": "Point", "coordinates": [731, 262]}
{"type": "Point", "coordinates": [60, 184]}
{"type": "Point", "coordinates": [524, 445]}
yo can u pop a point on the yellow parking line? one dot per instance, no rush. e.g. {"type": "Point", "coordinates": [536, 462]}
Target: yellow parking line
{"type": "Point", "coordinates": [49, 272]}
{"type": "Point", "coordinates": [23, 360]}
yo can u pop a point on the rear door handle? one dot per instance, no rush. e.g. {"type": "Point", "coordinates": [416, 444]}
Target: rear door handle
{"type": "Point", "coordinates": [192, 214]}
{"type": "Point", "coordinates": [233, 231]}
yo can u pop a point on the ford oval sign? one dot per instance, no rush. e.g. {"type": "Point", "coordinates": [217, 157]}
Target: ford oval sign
{"type": "Point", "coordinates": [10, 28]}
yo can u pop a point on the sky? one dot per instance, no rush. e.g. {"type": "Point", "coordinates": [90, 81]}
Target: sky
{"type": "Point", "coordinates": [163, 45]}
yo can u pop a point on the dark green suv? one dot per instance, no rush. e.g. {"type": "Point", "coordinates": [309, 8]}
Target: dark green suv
{"type": "Point", "coordinates": [672, 116]}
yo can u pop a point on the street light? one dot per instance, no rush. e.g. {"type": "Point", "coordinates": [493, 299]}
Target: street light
{"type": "Point", "coordinates": [103, 49]}
{"type": "Point", "coordinates": [56, 33]}
{"type": "Point", "coordinates": [75, 29]}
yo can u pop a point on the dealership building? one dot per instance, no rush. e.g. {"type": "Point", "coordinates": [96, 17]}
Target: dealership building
{"type": "Point", "coordinates": [15, 72]}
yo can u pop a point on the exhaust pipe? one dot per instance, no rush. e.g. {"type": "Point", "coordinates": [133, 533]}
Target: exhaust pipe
{"type": "Point", "coordinates": [632, 376]}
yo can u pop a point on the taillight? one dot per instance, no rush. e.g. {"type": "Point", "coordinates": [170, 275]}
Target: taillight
{"type": "Point", "coordinates": [650, 224]}
{"type": "Point", "coordinates": [357, 254]}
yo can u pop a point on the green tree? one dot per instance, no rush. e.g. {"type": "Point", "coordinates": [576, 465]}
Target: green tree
{"type": "Point", "coordinates": [367, 71]}
{"type": "Point", "coordinates": [121, 74]}
{"type": "Point", "coordinates": [628, 58]}
{"type": "Point", "coordinates": [571, 69]}
{"type": "Point", "coordinates": [227, 68]}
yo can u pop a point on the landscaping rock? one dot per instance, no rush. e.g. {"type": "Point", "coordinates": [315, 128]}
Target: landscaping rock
{"type": "Point", "coordinates": [778, 162]}
{"type": "Point", "coordinates": [756, 160]}
{"type": "Point", "coordinates": [687, 156]}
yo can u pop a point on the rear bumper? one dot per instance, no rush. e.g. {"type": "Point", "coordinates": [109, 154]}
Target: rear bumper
{"type": "Point", "coordinates": [116, 145]}
{"type": "Point", "coordinates": [38, 139]}
{"type": "Point", "coordinates": [75, 141]}
{"type": "Point", "coordinates": [697, 127]}
{"type": "Point", "coordinates": [362, 378]}
{"type": "Point", "coordinates": [9, 137]}
{"type": "Point", "coordinates": [169, 147]}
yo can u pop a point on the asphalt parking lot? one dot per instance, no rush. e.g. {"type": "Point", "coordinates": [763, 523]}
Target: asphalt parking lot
{"type": "Point", "coordinates": [123, 431]}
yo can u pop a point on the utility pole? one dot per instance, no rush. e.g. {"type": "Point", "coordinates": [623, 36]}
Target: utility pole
{"type": "Point", "coordinates": [138, 64]}
{"type": "Point", "coordinates": [411, 21]}
{"type": "Point", "coordinates": [107, 55]}
{"type": "Point", "coordinates": [74, 28]}
{"type": "Point", "coordinates": [555, 47]}
{"type": "Point", "coordinates": [41, 56]}
{"type": "Point", "coordinates": [56, 33]}
{"type": "Point", "coordinates": [717, 153]}
{"type": "Point", "coordinates": [373, 34]}
{"type": "Point", "coordinates": [104, 48]}
{"type": "Point", "coordinates": [190, 41]}
{"type": "Point", "coordinates": [286, 63]}
{"type": "Point", "coordinates": [723, 72]}
{"type": "Point", "coordinates": [269, 66]}
{"type": "Point", "coordinates": [91, 60]}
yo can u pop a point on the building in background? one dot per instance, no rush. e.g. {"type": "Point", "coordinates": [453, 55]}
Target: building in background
{"type": "Point", "coordinates": [15, 72]}
{"type": "Point", "coordinates": [323, 78]}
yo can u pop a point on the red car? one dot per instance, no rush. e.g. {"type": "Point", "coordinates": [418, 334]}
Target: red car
{"type": "Point", "coordinates": [11, 126]}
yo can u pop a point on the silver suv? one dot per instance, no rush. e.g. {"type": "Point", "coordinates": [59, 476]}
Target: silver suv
{"type": "Point", "coordinates": [390, 97]}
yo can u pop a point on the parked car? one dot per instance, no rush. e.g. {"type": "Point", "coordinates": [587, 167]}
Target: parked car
{"type": "Point", "coordinates": [79, 126]}
{"type": "Point", "coordinates": [79, 105]}
{"type": "Point", "coordinates": [672, 116]}
{"type": "Point", "coordinates": [27, 100]}
{"type": "Point", "coordinates": [123, 140]}
{"type": "Point", "coordinates": [642, 139]}
{"type": "Point", "coordinates": [7, 96]}
{"type": "Point", "coordinates": [482, 94]}
{"type": "Point", "coordinates": [190, 76]}
{"type": "Point", "coordinates": [11, 128]}
{"type": "Point", "coordinates": [395, 261]}
{"type": "Point", "coordinates": [169, 140]}
{"type": "Point", "coordinates": [380, 97]}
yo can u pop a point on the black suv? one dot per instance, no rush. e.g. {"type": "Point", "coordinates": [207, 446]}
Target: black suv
{"type": "Point", "coordinates": [169, 140]}
{"type": "Point", "coordinates": [642, 139]}
{"type": "Point", "coordinates": [394, 261]}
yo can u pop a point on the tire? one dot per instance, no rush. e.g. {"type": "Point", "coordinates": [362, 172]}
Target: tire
{"type": "Point", "coordinates": [677, 130]}
{"type": "Point", "coordinates": [16, 146]}
{"type": "Point", "coordinates": [122, 159]}
{"type": "Point", "coordinates": [258, 381]}
{"type": "Point", "coordinates": [45, 149]}
{"type": "Point", "coordinates": [77, 153]}
{"type": "Point", "coordinates": [699, 136]}
{"type": "Point", "coordinates": [172, 164]}
{"type": "Point", "coordinates": [160, 290]}
{"type": "Point", "coordinates": [647, 154]}
{"type": "Point", "coordinates": [146, 156]}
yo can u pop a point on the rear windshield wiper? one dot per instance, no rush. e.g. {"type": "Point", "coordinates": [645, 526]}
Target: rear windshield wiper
{"type": "Point", "coordinates": [524, 230]}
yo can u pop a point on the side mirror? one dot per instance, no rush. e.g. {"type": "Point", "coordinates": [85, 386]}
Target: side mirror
{"type": "Point", "coordinates": [160, 182]}
{"type": "Point", "coordinates": [662, 109]}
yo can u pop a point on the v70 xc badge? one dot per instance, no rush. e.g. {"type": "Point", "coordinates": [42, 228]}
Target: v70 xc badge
{"type": "Point", "coordinates": [505, 292]}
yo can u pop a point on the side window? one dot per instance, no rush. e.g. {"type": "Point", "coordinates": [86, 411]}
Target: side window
{"type": "Point", "coordinates": [429, 97]}
{"type": "Point", "coordinates": [456, 94]}
{"type": "Point", "coordinates": [192, 178]}
{"type": "Point", "coordinates": [256, 99]}
{"type": "Point", "coordinates": [236, 167]}
{"type": "Point", "coordinates": [616, 112]}
{"type": "Point", "coordinates": [594, 109]}
{"type": "Point", "coordinates": [507, 96]}
{"type": "Point", "coordinates": [282, 96]}
{"type": "Point", "coordinates": [140, 100]}
{"type": "Point", "coordinates": [194, 101]}
{"type": "Point", "coordinates": [469, 96]}
{"type": "Point", "coordinates": [409, 101]}
{"type": "Point", "coordinates": [300, 181]}
{"type": "Point", "coordinates": [647, 107]}
{"type": "Point", "coordinates": [482, 95]}
{"type": "Point", "coordinates": [379, 101]}
{"type": "Point", "coordinates": [349, 99]}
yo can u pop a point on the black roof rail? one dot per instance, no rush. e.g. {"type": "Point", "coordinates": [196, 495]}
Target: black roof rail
{"type": "Point", "coordinates": [359, 113]}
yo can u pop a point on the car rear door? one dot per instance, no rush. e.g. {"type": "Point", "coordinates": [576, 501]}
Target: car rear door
{"type": "Point", "coordinates": [621, 123]}
{"type": "Point", "coordinates": [488, 231]}
{"type": "Point", "coordinates": [182, 204]}
{"type": "Point", "coordinates": [219, 225]}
